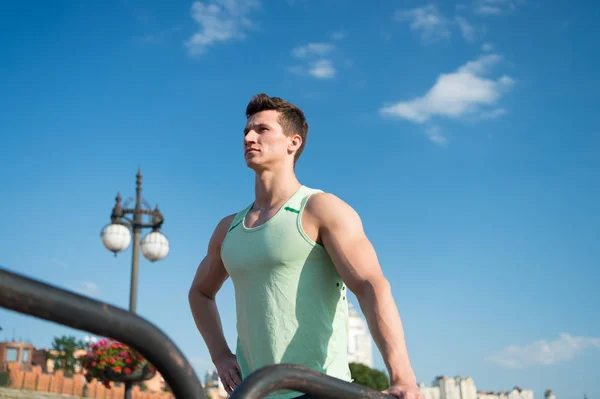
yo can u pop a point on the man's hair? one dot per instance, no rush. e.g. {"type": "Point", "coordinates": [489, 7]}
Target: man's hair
{"type": "Point", "coordinates": [291, 117]}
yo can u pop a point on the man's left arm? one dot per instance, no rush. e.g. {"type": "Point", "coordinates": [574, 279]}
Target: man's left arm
{"type": "Point", "coordinates": [342, 235]}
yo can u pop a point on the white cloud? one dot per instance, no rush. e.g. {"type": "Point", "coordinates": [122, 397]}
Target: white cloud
{"type": "Point", "coordinates": [467, 92]}
{"type": "Point", "coordinates": [434, 134]}
{"type": "Point", "coordinates": [544, 353]}
{"type": "Point", "coordinates": [495, 7]}
{"type": "Point", "coordinates": [316, 60]}
{"type": "Point", "coordinates": [492, 114]}
{"type": "Point", "coordinates": [312, 49]}
{"type": "Point", "coordinates": [88, 288]}
{"type": "Point", "coordinates": [467, 30]}
{"type": "Point", "coordinates": [487, 47]}
{"type": "Point", "coordinates": [339, 35]}
{"type": "Point", "coordinates": [322, 69]}
{"type": "Point", "coordinates": [427, 20]}
{"type": "Point", "coordinates": [220, 21]}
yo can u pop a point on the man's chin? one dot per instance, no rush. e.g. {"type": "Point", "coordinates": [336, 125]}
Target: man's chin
{"type": "Point", "coordinates": [250, 163]}
{"type": "Point", "coordinates": [257, 167]}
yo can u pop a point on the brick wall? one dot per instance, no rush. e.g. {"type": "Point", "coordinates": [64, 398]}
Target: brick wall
{"type": "Point", "coordinates": [36, 380]}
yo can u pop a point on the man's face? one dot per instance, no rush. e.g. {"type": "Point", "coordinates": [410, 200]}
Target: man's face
{"type": "Point", "coordinates": [265, 143]}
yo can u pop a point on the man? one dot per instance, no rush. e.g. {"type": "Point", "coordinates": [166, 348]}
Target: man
{"type": "Point", "coordinates": [290, 255]}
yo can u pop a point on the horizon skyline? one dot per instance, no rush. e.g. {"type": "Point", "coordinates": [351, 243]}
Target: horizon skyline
{"type": "Point", "coordinates": [200, 373]}
{"type": "Point", "coordinates": [91, 338]}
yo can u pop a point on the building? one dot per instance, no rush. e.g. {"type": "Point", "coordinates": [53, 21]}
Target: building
{"type": "Point", "coordinates": [518, 393]}
{"type": "Point", "coordinates": [429, 392]}
{"type": "Point", "coordinates": [359, 339]}
{"type": "Point", "coordinates": [25, 356]}
{"type": "Point", "coordinates": [16, 353]}
{"type": "Point", "coordinates": [447, 386]}
{"type": "Point", "coordinates": [22, 355]}
{"type": "Point", "coordinates": [459, 387]}
{"type": "Point", "coordinates": [515, 393]}
{"type": "Point", "coordinates": [213, 386]}
{"type": "Point", "coordinates": [491, 395]}
{"type": "Point", "coordinates": [466, 387]}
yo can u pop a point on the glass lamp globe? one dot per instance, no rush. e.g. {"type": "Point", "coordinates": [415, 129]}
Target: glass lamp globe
{"type": "Point", "coordinates": [155, 246]}
{"type": "Point", "coordinates": [116, 237]}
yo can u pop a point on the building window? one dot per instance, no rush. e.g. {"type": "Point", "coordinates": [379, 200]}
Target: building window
{"type": "Point", "coordinates": [25, 356]}
{"type": "Point", "coordinates": [11, 354]}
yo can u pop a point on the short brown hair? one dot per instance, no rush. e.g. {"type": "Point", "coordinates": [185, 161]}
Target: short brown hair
{"type": "Point", "coordinates": [291, 117]}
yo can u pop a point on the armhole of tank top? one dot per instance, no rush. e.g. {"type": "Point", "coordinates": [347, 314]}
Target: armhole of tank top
{"type": "Point", "coordinates": [237, 219]}
{"type": "Point", "coordinates": [299, 219]}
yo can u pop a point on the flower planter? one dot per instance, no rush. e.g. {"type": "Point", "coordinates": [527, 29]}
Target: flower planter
{"type": "Point", "coordinates": [141, 374]}
{"type": "Point", "coordinates": [111, 361]}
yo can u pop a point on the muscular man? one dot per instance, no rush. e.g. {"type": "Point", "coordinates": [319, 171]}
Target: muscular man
{"type": "Point", "coordinates": [291, 255]}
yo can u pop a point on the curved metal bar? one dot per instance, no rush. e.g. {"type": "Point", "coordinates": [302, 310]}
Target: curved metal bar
{"type": "Point", "coordinates": [127, 211]}
{"type": "Point", "coordinates": [302, 379]}
{"type": "Point", "coordinates": [32, 297]}
{"type": "Point", "coordinates": [129, 220]}
{"type": "Point", "coordinates": [124, 220]}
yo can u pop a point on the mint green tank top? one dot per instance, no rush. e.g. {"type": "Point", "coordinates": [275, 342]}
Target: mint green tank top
{"type": "Point", "coordinates": [291, 303]}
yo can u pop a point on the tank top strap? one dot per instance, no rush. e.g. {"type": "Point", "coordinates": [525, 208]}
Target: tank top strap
{"type": "Point", "coordinates": [297, 203]}
{"type": "Point", "coordinates": [239, 218]}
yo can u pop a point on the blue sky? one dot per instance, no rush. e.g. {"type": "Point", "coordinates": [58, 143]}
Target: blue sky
{"type": "Point", "coordinates": [465, 134]}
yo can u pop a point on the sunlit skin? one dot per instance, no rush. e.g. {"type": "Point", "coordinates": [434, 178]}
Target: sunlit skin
{"type": "Point", "coordinates": [266, 146]}
{"type": "Point", "coordinates": [329, 221]}
{"type": "Point", "coordinates": [270, 153]}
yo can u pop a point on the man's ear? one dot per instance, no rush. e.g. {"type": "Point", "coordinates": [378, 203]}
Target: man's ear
{"type": "Point", "coordinates": [294, 143]}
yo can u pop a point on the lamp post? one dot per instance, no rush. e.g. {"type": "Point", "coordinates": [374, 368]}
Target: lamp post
{"type": "Point", "coordinates": [116, 237]}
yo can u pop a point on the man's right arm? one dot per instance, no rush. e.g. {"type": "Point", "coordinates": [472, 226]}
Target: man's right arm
{"type": "Point", "coordinates": [209, 278]}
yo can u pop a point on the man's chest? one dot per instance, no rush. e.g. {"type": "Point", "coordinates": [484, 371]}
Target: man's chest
{"type": "Point", "coordinates": [277, 247]}
{"type": "Point", "coordinates": [256, 218]}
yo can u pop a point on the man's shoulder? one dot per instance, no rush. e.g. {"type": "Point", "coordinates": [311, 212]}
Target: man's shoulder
{"type": "Point", "coordinates": [226, 221]}
{"type": "Point", "coordinates": [328, 207]}
{"type": "Point", "coordinates": [224, 225]}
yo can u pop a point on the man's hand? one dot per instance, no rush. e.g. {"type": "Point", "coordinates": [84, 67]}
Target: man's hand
{"type": "Point", "coordinates": [229, 372]}
{"type": "Point", "coordinates": [404, 391]}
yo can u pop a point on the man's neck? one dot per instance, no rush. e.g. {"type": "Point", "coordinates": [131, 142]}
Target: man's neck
{"type": "Point", "coordinates": [271, 188]}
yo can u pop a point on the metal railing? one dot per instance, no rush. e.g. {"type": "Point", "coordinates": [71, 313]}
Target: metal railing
{"type": "Point", "coordinates": [301, 379]}
{"type": "Point", "coordinates": [35, 298]}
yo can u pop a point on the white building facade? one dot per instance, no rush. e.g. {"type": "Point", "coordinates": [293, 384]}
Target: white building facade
{"type": "Point", "coordinates": [359, 339]}
{"type": "Point", "coordinates": [464, 388]}
{"type": "Point", "coordinates": [447, 386]}
{"type": "Point", "coordinates": [430, 392]}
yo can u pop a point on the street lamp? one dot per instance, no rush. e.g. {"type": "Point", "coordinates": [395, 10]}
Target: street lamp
{"type": "Point", "coordinates": [116, 237]}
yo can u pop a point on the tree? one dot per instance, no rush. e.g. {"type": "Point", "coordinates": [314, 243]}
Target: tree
{"type": "Point", "coordinates": [4, 379]}
{"type": "Point", "coordinates": [62, 353]}
{"type": "Point", "coordinates": [368, 377]}
{"type": "Point", "coordinates": [142, 385]}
